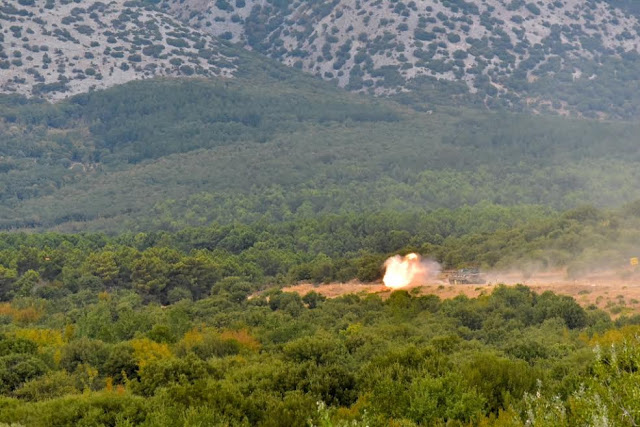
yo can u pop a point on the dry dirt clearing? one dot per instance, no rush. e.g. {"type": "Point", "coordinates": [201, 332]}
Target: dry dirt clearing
{"type": "Point", "coordinates": [606, 290]}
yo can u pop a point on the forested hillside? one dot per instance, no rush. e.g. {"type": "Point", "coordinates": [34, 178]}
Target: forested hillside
{"type": "Point", "coordinates": [165, 154]}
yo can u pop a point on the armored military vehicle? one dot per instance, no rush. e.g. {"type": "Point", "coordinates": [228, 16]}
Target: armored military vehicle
{"type": "Point", "coordinates": [467, 276]}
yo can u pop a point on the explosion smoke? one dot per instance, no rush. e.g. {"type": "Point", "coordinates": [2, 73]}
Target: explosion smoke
{"type": "Point", "coordinates": [409, 270]}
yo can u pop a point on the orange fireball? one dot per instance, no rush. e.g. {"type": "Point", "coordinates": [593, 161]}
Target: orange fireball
{"type": "Point", "coordinates": [402, 271]}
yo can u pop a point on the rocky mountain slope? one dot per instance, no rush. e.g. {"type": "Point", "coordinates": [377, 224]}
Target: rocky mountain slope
{"type": "Point", "coordinates": [564, 55]}
{"type": "Point", "coordinates": [58, 48]}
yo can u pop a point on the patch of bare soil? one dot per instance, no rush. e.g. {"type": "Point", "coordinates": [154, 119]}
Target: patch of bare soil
{"type": "Point", "coordinates": [615, 292]}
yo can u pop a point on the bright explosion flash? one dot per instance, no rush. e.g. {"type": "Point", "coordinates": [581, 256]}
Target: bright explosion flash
{"type": "Point", "coordinates": [411, 269]}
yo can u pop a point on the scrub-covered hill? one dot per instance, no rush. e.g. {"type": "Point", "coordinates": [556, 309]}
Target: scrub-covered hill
{"type": "Point", "coordinates": [568, 56]}
{"type": "Point", "coordinates": [54, 49]}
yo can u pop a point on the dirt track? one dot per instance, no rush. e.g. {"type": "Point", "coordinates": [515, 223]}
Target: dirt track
{"type": "Point", "coordinates": [606, 290]}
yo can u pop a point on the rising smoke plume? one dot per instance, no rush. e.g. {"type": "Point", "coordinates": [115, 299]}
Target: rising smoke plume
{"type": "Point", "coordinates": [409, 270]}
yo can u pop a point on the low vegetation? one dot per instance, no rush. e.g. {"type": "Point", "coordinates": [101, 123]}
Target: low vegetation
{"type": "Point", "coordinates": [117, 358]}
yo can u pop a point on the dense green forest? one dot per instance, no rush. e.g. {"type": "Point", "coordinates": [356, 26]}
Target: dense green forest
{"type": "Point", "coordinates": [192, 152]}
{"type": "Point", "coordinates": [190, 328]}
{"type": "Point", "coordinates": [277, 359]}
{"type": "Point", "coordinates": [239, 259]}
